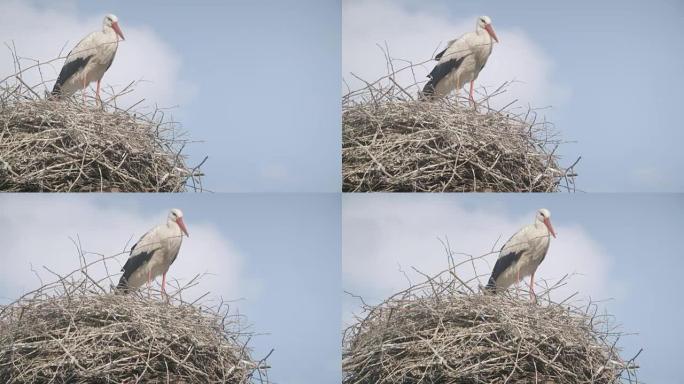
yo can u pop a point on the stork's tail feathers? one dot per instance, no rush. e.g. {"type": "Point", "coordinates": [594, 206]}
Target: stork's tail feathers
{"type": "Point", "coordinates": [56, 90]}
{"type": "Point", "coordinates": [122, 288]}
{"type": "Point", "coordinates": [490, 288]}
{"type": "Point", "coordinates": [56, 93]}
{"type": "Point", "coordinates": [71, 68]}
{"type": "Point", "coordinates": [428, 93]}
{"type": "Point", "coordinates": [133, 264]}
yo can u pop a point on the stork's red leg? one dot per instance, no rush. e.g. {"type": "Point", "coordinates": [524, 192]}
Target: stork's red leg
{"type": "Point", "coordinates": [533, 295]}
{"type": "Point", "coordinates": [472, 99]}
{"type": "Point", "coordinates": [97, 92]}
{"type": "Point", "coordinates": [149, 281]}
{"type": "Point", "coordinates": [164, 283]}
{"type": "Point", "coordinates": [84, 89]}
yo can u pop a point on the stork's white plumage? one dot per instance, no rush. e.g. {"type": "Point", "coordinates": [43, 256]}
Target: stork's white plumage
{"type": "Point", "coordinates": [522, 254]}
{"type": "Point", "coordinates": [89, 60]}
{"type": "Point", "coordinates": [461, 61]}
{"type": "Point", "coordinates": [154, 253]}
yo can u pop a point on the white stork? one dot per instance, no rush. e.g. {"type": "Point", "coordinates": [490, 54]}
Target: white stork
{"type": "Point", "coordinates": [154, 253]}
{"type": "Point", "coordinates": [89, 60]}
{"type": "Point", "coordinates": [461, 61]}
{"type": "Point", "coordinates": [522, 254]}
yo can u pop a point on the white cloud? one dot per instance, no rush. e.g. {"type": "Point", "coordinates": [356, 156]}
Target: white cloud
{"type": "Point", "coordinates": [651, 178]}
{"type": "Point", "coordinates": [417, 35]}
{"type": "Point", "coordinates": [36, 232]}
{"type": "Point", "coordinates": [381, 235]}
{"type": "Point", "coordinates": [275, 172]}
{"type": "Point", "coordinates": [42, 33]}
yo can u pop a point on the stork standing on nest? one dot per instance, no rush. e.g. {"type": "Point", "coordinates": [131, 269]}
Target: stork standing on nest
{"type": "Point", "coordinates": [153, 254]}
{"type": "Point", "coordinates": [461, 61]}
{"type": "Point", "coordinates": [89, 60]}
{"type": "Point", "coordinates": [522, 254]}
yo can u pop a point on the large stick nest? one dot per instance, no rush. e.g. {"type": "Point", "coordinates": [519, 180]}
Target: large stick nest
{"type": "Point", "coordinates": [69, 146]}
{"type": "Point", "coordinates": [73, 331]}
{"type": "Point", "coordinates": [442, 331]}
{"type": "Point", "coordinates": [394, 141]}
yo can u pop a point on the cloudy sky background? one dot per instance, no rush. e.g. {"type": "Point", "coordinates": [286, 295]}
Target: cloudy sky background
{"type": "Point", "coordinates": [278, 256]}
{"type": "Point", "coordinates": [610, 72]}
{"type": "Point", "coordinates": [257, 82]}
{"type": "Point", "coordinates": [623, 247]}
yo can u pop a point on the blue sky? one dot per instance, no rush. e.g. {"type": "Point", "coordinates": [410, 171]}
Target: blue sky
{"type": "Point", "coordinates": [277, 255]}
{"type": "Point", "coordinates": [622, 247]}
{"type": "Point", "coordinates": [610, 70]}
{"type": "Point", "coordinates": [256, 81]}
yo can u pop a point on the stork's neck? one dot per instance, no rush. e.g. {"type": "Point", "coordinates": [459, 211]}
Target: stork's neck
{"type": "Point", "coordinates": [108, 31]}
{"type": "Point", "coordinates": [483, 34]}
{"type": "Point", "coordinates": [172, 225]}
{"type": "Point", "coordinates": [540, 226]}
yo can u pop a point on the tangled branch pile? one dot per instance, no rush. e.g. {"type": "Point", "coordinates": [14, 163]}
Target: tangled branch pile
{"type": "Point", "coordinates": [69, 145]}
{"type": "Point", "coordinates": [72, 331]}
{"type": "Point", "coordinates": [442, 332]}
{"type": "Point", "coordinates": [392, 141]}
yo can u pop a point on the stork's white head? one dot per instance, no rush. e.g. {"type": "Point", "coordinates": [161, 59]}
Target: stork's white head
{"type": "Point", "coordinates": [176, 215]}
{"type": "Point", "coordinates": [544, 217]}
{"type": "Point", "coordinates": [484, 24]}
{"type": "Point", "coordinates": [111, 21]}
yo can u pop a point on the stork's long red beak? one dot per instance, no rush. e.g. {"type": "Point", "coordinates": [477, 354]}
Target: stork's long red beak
{"type": "Point", "coordinates": [115, 26]}
{"type": "Point", "coordinates": [181, 224]}
{"type": "Point", "coordinates": [491, 32]}
{"type": "Point", "coordinates": [547, 222]}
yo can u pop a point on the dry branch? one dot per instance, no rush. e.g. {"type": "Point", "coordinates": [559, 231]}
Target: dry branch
{"type": "Point", "coordinates": [69, 145]}
{"type": "Point", "coordinates": [72, 330]}
{"type": "Point", "coordinates": [440, 331]}
{"type": "Point", "coordinates": [393, 141]}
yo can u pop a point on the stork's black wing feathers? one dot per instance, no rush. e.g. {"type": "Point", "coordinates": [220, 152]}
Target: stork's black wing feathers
{"type": "Point", "coordinates": [69, 69]}
{"type": "Point", "coordinates": [110, 61]}
{"type": "Point", "coordinates": [442, 69]}
{"type": "Point", "coordinates": [132, 264]}
{"type": "Point", "coordinates": [174, 257]}
{"type": "Point", "coordinates": [438, 56]}
{"type": "Point", "coordinates": [439, 72]}
{"type": "Point", "coordinates": [140, 239]}
{"type": "Point", "coordinates": [503, 263]}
